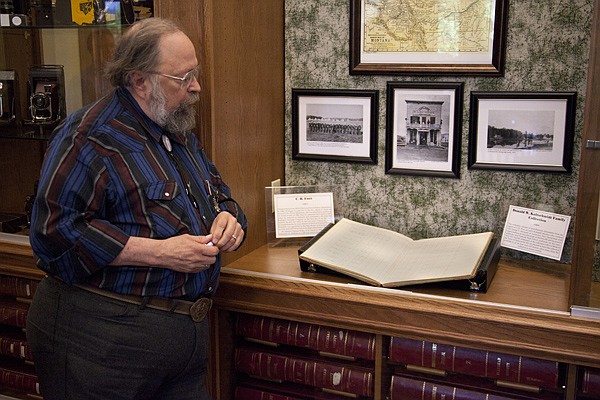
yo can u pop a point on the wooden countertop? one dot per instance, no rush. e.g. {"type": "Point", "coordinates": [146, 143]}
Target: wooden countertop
{"type": "Point", "coordinates": [519, 283]}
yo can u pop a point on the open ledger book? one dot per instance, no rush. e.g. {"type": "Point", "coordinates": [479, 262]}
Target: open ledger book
{"type": "Point", "coordinates": [386, 258]}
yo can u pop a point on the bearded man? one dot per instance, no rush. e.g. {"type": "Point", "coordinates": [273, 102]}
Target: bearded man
{"type": "Point", "coordinates": [129, 222]}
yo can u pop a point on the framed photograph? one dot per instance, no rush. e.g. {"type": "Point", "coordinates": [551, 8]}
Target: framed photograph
{"type": "Point", "coordinates": [429, 37]}
{"type": "Point", "coordinates": [335, 125]}
{"type": "Point", "coordinates": [522, 131]}
{"type": "Point", "coordinates": [424, 128]}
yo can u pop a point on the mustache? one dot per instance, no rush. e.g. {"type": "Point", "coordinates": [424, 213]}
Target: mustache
{"type": "Point", "coordinates": [191, 100]}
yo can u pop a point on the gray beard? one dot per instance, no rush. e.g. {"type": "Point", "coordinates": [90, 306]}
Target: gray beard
{"type": "Point", "coordinates": [180, 120]}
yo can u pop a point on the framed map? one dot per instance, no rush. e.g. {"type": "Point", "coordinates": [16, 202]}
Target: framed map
{"type": "Point", "coordinates": [428, 37]}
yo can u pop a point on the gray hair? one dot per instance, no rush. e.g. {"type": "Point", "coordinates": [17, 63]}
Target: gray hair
{"type": "Point", "coordinates": [138, 50]}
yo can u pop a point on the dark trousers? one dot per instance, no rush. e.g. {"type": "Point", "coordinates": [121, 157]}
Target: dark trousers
{"type": "Point", "coordinates": [87, 346]}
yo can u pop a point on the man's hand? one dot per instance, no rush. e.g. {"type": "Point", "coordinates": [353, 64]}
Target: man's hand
{"type": "Point", "coordinates": [184, 253]}
{"type": "Point", "coordinates": [190, 253]}
{"type": "Point", "coordinates": [227, 233]}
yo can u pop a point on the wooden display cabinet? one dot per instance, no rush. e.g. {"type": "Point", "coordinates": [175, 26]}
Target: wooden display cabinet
{"type": "Point", "coordinates": [525, 312]}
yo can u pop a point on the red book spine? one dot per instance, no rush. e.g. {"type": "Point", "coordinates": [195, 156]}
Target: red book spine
{"type": "Point", "coordinates": [13, 313]}
{"type": "Point", "coordinates": [247, 393]}
{"type": "Point", "coordinates": [481, 363]}
{"type": "Point", "coordinates": [21, 381]}
{"type": "Point", "coordinates": [15, 348]}
{"type": "Point", "coordinates": [317, 337]}
{"type": "Point", "coordinates": [16, 286]}
{"type": "Point", "coordinates": [403, 388]}
{"type": "Point", "coordinates": [590, 381]}
{"type": "Point", "coordinates": [315, 373]}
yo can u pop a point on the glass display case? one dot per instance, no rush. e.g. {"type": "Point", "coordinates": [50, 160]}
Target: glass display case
{"type": "Point", "coordinates": [52, 54]}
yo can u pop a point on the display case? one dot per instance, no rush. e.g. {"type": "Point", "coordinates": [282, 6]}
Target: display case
{"type": "Point", "coordinates": [524, 314]}
{"type": "Point", "coordinates": [51, 59]}
{"type": "Point", "coordinates": [240, 112]}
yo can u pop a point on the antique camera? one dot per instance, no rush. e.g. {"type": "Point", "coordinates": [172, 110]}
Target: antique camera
{"type": "Point", "coordinates": [8, 96]}
{"type": "Point", "coordinates": [46, 88]}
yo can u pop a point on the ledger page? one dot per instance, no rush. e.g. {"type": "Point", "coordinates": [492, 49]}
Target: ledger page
{"type": "Point", "coordinates": [387, 258]}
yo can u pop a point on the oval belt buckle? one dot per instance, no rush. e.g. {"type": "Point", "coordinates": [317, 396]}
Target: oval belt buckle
{"type": "Point", "coordinates": [200, 308]}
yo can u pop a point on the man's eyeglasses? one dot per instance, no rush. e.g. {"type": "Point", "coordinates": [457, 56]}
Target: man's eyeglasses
{"type": "Point", "coordinates": [185, 80]}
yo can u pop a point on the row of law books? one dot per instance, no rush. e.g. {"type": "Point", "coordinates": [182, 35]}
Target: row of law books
{"type": "Point", "coordinates": [472, 372]}
{"type": "Point", "coordinates": [17, 373]}
{"type": "Point", "coordinates": [407, 384]}
{"type": "Point", "coordinates": [443, 359]}
{"type": "Point", "coordinates": [279, 359]}
{"type": "Point", "coordinates": [341, 361]}
{"type": "Point", "coordinates": [402, 387]}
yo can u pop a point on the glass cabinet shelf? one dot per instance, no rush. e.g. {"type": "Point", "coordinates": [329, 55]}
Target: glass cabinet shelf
{"type": "Point", "coordinates": [50, 65]}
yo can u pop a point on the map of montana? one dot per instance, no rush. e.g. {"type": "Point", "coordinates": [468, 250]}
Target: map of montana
{"type": "Point", "coordinates": [427, 26]}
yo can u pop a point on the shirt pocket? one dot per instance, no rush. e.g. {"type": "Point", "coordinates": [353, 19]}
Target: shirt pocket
{"type": "Point", "coordinates": [165, 209]}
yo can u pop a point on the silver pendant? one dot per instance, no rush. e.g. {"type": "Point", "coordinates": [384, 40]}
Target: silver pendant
{"type": "Point", "coordinates": [167, 143]}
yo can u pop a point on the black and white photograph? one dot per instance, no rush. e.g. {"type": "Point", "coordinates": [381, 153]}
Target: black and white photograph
{"type": "Point", "coordinates": [423, 128]}
{"type": "Point", "coordinates": [334, 125]}
{"type": "Point", "coordinates": [522, 131]}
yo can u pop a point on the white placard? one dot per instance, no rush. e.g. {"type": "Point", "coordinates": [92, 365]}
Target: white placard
{"type": "Point", "coordinates": [302, 214]}
{"type": "Point", "coordinates": [536, 232]}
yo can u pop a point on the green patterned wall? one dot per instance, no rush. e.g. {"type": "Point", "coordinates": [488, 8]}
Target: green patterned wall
{"type": "Point", "coordinates": [547, 50]}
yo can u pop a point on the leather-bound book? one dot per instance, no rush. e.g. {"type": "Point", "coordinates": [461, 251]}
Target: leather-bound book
{"type": "Point", "coordinates": [14, 345]}
{"type": "Point", "coordinates": [21, 378]}
{"type": "Point", "coordinates": [404, 388]}
{"type": "Point", "coordinates": [17, 286]}
{"type": "Point", "coordinates": [13, 313]}
{"type": "Point", "coordinates": [251, 393]}
{"type": "Point", "coordinates": [254, 389]}
{"type": "Point", "coordinates": [342, 378]}
{"type": "Point", "coordinates": [328, 341]}
{"type": "Point", "coordinates": [511, 390]}
{"type": "Point", "coordinates": [481, 363]}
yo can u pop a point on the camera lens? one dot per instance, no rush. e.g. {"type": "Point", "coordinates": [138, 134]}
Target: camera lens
{"type": "Point", "coordinates": [40, 100]}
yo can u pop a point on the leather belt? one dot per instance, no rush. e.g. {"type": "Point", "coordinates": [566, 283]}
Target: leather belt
{"type": "Point", "coordinates": [197, 310]}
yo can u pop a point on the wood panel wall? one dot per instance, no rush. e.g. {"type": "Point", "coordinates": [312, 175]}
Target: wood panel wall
{"type": "Point", "coordinates": [240, 47]}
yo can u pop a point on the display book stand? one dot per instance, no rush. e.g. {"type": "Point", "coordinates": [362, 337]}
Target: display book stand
{"type": "Point", "coordinates": [479, 282]}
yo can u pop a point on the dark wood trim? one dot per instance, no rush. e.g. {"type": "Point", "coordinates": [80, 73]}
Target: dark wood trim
{"type": "Point", "coordinates": [586, 212]}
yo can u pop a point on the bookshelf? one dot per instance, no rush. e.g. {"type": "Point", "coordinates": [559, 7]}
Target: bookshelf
{"type": "Point", "coordinates": [525, 312]}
